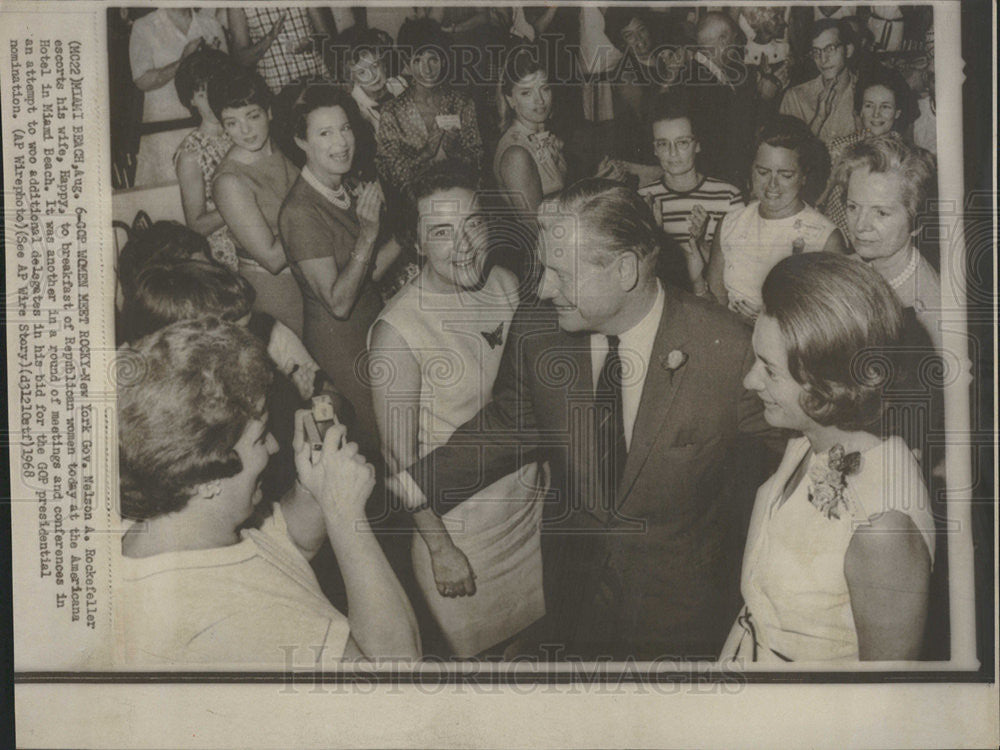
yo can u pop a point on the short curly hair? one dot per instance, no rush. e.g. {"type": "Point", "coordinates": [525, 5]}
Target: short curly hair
{"type": "Point", "coordinates": [888, 154]}
{"type": "Point", "coordinates": [185, 395]}
{"type": "Point", "coordinates": [167, 293]}
{"type": "Point", "coordinates": [840, 320]}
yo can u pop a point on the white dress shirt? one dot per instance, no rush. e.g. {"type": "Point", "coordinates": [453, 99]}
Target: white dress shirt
{"type": "Point", "coordinates": [635, 347]}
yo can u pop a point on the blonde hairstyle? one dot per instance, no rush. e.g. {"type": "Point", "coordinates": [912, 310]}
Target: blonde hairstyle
{"type": "Point", "coordinates": [888, 154]}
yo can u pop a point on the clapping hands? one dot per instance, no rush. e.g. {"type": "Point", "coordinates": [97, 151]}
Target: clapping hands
{"type": "Point", "coordinates": [369, 207]}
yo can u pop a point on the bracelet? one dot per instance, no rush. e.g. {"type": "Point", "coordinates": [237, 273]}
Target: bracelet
{"type": "Point", "coordinates": [360, 259]}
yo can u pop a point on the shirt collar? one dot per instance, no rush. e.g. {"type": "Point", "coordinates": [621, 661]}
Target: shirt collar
{"type": "Point", "coordinates": [641, 336]}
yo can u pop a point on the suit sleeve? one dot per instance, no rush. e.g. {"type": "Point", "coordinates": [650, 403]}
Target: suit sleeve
{"type": "Point", "coordinates": [494, 443]}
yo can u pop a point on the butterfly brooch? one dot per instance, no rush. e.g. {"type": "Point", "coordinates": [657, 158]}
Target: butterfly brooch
{"type": "Point", "coordinates": [495, 337]}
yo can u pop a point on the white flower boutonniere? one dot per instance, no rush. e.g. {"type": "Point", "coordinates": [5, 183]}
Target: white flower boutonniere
{"type": "Point", "coordinates": [676, 359]}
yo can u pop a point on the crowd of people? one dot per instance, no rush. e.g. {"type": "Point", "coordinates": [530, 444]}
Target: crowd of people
{"type": "Point", "coordinates": [472, 345]}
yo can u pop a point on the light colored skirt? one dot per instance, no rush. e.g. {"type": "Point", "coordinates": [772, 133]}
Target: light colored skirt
{"type": "Point", "coordinates": [498, 530]}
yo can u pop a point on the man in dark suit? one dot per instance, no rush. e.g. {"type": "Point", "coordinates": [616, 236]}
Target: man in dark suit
{"type": "Point", "coordinates": [633, 393]}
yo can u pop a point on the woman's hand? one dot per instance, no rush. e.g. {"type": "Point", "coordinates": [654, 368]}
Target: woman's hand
{"type": "Point", "coordinates": [694, 247]}
{"type": "Point", "coordinates": [276, 28]}
{"type": "Point", "coordinates": [452, 572]}
{"type": "Point", "coordinates": [337, 475]}
{"type": "Point", "coordinates": [745, 308]}
{"type": "Point", "coordinates": [191, 47]}
{"type": "Point", "coordinates": [611, 169]}
{"type": "Point", "coordinates": [369, 208]}
{"type": "Point", "coordinates": [697, 224]}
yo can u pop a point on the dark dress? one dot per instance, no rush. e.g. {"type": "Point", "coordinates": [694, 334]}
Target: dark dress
{"type": "Point", "coordinates": [313, 227]}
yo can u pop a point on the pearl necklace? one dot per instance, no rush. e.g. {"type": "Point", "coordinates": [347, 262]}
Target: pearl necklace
{"type": "Point", "coordinates": [339, 197]}
{"type": "Point", "coordinates": [901, 278]}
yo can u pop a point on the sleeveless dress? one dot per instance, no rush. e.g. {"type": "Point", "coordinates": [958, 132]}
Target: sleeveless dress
{"type": "Point", "coordinates": [269, 179]}
{"type": "Point", "coordinates": [210, 151]}
{"type": "Point", "coordinates": [752, 246]}
{"type": "Point", "coordinates": [458, 339]}
{"type": "Point", "coordinates": [545, 150]}
{"type": "Point", "coordinates": [797, 604]}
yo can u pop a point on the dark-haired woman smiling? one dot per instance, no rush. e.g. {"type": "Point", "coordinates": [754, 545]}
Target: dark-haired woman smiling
{"type": "Point", "coordinates": [331, 238]}
{"type": "Point", "coordinates": [250, 185]}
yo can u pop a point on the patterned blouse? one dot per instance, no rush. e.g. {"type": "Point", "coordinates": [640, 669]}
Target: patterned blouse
{"type": "Point", "coordinates": [211, 150]}
{"type": "Point", "coordinates": [545, 149]}
{"type": "Point", "coordinates": [402, 137]}
{"type": "Point", "coordinates": [281, 65]}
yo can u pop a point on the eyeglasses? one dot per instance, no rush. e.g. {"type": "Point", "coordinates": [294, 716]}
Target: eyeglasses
{"type": "Point", "coordinates": [818, 52]}
{"type": "Point", "coordinates": [680, 145]}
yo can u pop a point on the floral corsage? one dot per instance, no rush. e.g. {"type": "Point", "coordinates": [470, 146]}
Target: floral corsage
{"type": "Point", "coordinates": [829, 482]}
{"type": "Point", "coordinates": [675, 360]}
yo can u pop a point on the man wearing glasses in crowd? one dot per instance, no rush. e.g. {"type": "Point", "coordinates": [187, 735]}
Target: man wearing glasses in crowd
{"type": "Point", "coordinates": [826, 103]}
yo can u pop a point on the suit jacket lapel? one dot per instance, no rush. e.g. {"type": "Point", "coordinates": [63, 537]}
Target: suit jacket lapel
{"type": "Point", "coordinates": [657, 392]}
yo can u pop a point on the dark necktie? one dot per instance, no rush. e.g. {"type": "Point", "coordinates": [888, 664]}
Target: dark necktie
{"type": "Point", "coordinates": [610, 414]}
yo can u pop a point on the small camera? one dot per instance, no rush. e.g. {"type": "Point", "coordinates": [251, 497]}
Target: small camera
{"type": "Point", "coordinates": [321, 417]}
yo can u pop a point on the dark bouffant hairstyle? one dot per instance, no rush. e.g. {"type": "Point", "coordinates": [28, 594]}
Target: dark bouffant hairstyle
{"type": "Point", "coordinates": [439, 176]}
{"type": "Point", "coordinates": [165, 294]}
{"type": "Point", "coordinates": [235, 88]}
{"type": "Point", "coordinates": [196, 70]}
{"type": "Point", "coordinates": [519, 63]}
{"type": "Point", "coordinates": [416, 34]}
{"type": "Point", "coordinates": [785, 131]}
{"type": "Point", "coordinates": [317, 96]}
{"type": "Point", "coordinates": [163, 243]}
{"type": "Point", "coordinates": [839, 319]}
{"type": "Point", "coordinates": [185, 396]}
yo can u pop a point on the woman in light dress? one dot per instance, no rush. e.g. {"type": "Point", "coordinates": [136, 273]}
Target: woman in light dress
{"type": "Point", "coordinates": [435, 352]}
{"type": "Point", "coordinates": [841, 541]}
{"type": "Point", "coordinates": [790, 168]}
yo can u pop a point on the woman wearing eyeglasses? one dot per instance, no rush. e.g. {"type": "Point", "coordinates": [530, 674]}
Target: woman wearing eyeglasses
{"type": "Point", "coordinates": [435, 352]}
{"type": "Point", "coordinates": [687, 204]}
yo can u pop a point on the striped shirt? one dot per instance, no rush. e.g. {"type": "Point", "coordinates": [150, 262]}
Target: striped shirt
{"type": "Point", "coordinates": [672, 208]}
